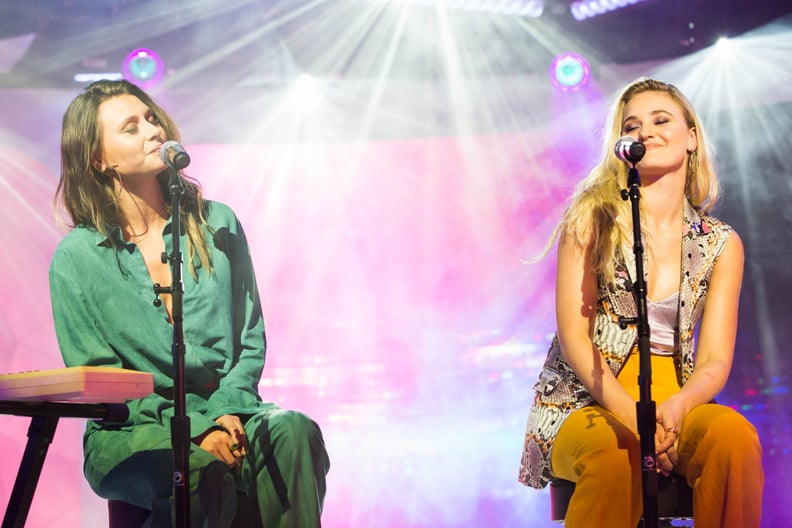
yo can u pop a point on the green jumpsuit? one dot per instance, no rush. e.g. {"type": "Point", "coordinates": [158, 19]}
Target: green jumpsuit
{"type": "Point", "coordinates": [102, 301]}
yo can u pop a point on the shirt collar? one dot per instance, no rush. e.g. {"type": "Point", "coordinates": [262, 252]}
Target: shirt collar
{"type": "Point", "coordinates": [116, 238]}
{"type": "Point", "coordinates": [696, 226]}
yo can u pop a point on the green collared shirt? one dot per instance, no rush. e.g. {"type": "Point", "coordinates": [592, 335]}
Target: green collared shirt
{"type": "Point", "coordinates": [103, 306]}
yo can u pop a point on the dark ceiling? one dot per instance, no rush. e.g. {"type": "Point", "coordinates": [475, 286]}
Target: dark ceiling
{"type": "Point", "coordinates": [333, 38]}
{"type": "Point", "coordinates": [662, 29]}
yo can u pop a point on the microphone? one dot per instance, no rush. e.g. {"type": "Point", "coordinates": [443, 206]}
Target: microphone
{"type": "Point", "coordinates": [174, 156]}
{"type": "Point", "coordinates": [629, 149]}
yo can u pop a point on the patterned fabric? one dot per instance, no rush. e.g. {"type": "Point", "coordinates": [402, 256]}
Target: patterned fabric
{"type": "Point", "coordinates": [558, 390]}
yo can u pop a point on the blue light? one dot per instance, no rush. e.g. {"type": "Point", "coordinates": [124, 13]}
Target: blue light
{"type": "Point", "coordinates": [143, 67]}
{"type": "Point", "coordinates": [569, 71]}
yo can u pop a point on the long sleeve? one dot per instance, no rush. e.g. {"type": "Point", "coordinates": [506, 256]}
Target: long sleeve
{"type": "Point", "coordinates": [102, 302]}
{"type": "Point", "coordinates": [86, 337]}
{"type": "Point", "coordinates": [238, 387]}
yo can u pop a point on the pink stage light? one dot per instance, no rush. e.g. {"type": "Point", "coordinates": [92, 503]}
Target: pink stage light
{"type": "Point", "coordinates": [143, 67]}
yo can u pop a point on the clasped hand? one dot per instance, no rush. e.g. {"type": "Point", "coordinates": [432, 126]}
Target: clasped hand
{"type": "Point", "coordinates": [228, 444]}
{"type": "Point", "coordinates": [669, 422]}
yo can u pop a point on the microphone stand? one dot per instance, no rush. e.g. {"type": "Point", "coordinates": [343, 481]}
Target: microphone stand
{"type": "Point", "coordinates": [180, 422]}
{"type": "Point", "coordinates": [645, 406]}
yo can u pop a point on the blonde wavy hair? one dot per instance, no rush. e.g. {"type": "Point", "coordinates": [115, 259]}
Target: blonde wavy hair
{"type": "Point", "coordinates": [598, 220]}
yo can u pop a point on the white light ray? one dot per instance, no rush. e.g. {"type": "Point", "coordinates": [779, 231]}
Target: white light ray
{"type": "Point", "coordinates": [527, 8]}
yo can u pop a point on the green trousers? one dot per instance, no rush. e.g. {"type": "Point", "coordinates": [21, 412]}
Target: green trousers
{"type": "Point", "coordinates": [283, 474]}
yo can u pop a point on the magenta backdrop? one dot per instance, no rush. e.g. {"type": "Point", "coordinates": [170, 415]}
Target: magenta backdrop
{"type": "Point", "coordinates": [394, 303]}
{"type": "Point", "coordinates": [402, 309]}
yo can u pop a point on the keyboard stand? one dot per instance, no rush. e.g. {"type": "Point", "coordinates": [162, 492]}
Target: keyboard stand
{"type": "Point", "coordinates": [44, 420]}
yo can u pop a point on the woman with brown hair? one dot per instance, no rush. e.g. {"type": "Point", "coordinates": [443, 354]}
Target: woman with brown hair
{"type": "Point", "coordinates": [113, 188]}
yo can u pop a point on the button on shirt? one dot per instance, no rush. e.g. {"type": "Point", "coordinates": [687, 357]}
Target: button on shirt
{"type": "Point", "coordinates": [102, 301]}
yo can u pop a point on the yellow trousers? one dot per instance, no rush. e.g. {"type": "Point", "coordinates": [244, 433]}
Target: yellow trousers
{"type": "Point", "coordinates": [719, 454]}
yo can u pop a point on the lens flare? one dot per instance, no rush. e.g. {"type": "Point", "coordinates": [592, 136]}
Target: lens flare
{"type": "Point", "coordinates": [569, 71]}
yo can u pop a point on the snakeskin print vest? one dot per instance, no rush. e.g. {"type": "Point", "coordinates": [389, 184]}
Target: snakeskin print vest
{"type": "Point", "coordinates": [558, 391]}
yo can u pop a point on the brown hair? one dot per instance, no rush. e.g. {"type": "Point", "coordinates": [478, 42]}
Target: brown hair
{"type": "Point", "coordinates": [87, 194]}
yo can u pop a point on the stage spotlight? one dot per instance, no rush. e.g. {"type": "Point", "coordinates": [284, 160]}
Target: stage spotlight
{"type": "Point", "coordinates": [569, 71]}
{"type": "Point", "coordinates": [526, 8]}
{"type": "Point", "coordinates": [725, 46]}
{"type": "Point", "coordinates": [583, 9]}
{"type": "Point", "coordinates": [143, 67]}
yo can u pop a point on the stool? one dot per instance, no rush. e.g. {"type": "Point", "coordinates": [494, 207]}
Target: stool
{"type": "Point", "coordinates": [121, 514]}
{"type": "Point", "coordinates": [124, 515]}
{"type": "Point", "coordinates": [674, 499]}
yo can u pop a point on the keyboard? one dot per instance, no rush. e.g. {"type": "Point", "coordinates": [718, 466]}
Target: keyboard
{"type": "Point", "coordinates": [77, 384]}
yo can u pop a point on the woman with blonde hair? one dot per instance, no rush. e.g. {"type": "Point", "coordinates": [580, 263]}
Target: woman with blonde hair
{"type": "Point", "coordinates": [582, 426]}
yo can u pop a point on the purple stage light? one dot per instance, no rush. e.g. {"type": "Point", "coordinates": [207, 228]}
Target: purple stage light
{"type": "Point", "coordinates": [143, 67]}
{"type": "Point", "coordinates": [583, 9]}
{"type": "Point", "coordinates": [569, 71]}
